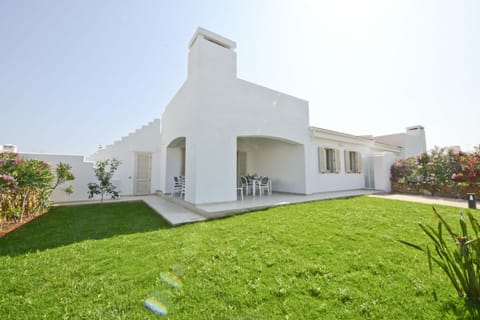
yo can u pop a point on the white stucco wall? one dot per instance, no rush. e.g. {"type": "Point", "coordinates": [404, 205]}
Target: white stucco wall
{"type": "Point", "coordinates": [219, 114]}
{"type": "Point", "coordinates": [82, 170]}
{"type": "Point", "coordinates": [179, 121]}
{"type": "Point", "coordinates": [382, 164]}
{"type": "Point", "coordinates": [212, 109]}
{"type": "Point", "coordinates": [145, 140]}
{"type": "Point", "coordinates": [323, 182]}
{"type": "Point", "coordinates": [214, 115]}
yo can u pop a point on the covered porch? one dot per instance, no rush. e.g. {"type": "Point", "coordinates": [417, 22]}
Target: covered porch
{"type": "Point", "coordinates": [281, 161]}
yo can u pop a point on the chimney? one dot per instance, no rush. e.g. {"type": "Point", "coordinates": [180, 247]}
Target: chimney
{"type": "Point", "coordinates": [211, 57]}
{"type": "Point", "coordinates": [415, 141]}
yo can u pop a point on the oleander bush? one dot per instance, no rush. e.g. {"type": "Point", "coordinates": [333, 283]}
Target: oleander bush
{"type": "Point", "coordinates": [440, 170]}
{"type": "Point", "coordinates": [26, 186]}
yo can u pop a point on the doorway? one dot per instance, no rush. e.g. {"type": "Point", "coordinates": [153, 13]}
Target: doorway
{"type": "Point", "coordinates": [143, 173]}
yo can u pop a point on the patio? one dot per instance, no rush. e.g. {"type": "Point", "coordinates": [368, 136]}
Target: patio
{"type": "Point", "coordinates": [176, 211]}
{"type": "Point", "coordinates": [225, 209]}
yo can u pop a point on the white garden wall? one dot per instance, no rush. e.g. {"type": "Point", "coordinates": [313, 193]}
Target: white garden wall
{"type": "Point", "coordinates": [82, 170]}
{"type": "Point", "coordinates": [382, 164]}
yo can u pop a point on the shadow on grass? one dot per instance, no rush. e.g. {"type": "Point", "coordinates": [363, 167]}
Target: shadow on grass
{"type": "Point", "coordinates": [467, 311]}
{"type": "Point", "coordinates": [69, 224]}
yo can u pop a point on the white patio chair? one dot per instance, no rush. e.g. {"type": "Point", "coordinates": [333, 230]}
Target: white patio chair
{"type": "Point", "coordinates": [177, 186]}
{"type": "Point", "coordinates": [264, 185]}
{"type": "Point", "coordinates": [244, 184]}
{"type": "Point", "coordinates": [183, 186]}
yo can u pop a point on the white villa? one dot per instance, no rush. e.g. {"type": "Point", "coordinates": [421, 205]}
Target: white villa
{"type": "Point", "coordinates": [218, 128]}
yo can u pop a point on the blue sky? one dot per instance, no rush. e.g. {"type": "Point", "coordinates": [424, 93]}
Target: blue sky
{"type": "Point", "coordinates": [78, 74]}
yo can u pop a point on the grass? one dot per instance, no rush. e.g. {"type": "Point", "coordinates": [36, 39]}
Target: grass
{"type": "Point", "coordinates": [335, 259]}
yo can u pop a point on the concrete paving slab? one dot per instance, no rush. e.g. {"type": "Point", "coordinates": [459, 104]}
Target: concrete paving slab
{"type": "Point", "coordinates": [171, 212]}
{"type": "Point", "coordinates": [459, 203]}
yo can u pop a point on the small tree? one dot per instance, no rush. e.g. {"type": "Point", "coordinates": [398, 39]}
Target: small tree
{"type": "Point", "coordinates": [104, 170]}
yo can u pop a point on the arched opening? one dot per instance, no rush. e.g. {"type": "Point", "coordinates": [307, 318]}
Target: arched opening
{"type": "Point", "coordinates": [175, 165]}
{"type": "Point", "coordinates": [283, 161]}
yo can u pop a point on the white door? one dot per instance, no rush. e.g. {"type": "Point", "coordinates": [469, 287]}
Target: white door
{"type": "Point", "coordinates": [369, 172]}
{"type": "Point", "coordinates": [143, 173]}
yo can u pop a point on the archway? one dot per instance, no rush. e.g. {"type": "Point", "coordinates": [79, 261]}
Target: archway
{"type": "Point", "coordinates": [175, 165]}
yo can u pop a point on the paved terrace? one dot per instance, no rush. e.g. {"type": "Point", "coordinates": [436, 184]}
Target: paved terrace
{"type": "Point", "coordinates": [176, 211]}
{"type": "Point", "coordinates": [218, 210]}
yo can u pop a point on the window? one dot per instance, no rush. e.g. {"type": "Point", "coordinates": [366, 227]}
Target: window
{"type": "Point", "coordinates": [328, 160]}
{"type": "Point", "coordinates": [353, 162]}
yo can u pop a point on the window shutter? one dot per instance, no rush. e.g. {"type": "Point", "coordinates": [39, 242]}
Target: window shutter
{"type": "Point", "coordinates": [347, 161]}
{"type": "Point", "coordinates": [359, 162]}
{"type": "Point", "coordinates": [338, 168]}
{"type": "Point", "coordinates": [321, 160]}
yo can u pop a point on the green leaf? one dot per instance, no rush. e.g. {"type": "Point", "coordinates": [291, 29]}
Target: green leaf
{"type": "Point", "coordinates": [411, 245]}
{"type": "Point", "coordinates": [463, 224]}
{"type": "Point", "coordinates": [474, 223]}
{"type": "Point", "coordinates": [447, 226]}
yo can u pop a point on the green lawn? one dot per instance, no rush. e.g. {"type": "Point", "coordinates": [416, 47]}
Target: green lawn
{"type": "Point", "coordinates": [333, 259]}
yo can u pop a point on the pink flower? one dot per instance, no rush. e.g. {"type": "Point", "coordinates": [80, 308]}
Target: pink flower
{"type": "Point", "coordinates": [6, 177]}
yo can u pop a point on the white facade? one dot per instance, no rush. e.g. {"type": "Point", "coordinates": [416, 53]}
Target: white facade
{"type": "Point", "coordinates": [413, 141]}
{"type": "Point", "coordinates": [144, 141]}
{"type": "Point", "coordinates": [218, 127]}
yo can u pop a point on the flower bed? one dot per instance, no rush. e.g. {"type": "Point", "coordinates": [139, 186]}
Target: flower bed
{"type": "Point", "coordinates": [451, 191]}
{"type": "Point", "coordinates": [439, 172]}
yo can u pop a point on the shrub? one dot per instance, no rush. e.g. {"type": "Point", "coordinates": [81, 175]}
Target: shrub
{"type": "Point", "coordinates": [468, 172]}
{"type": "Point", "coordinates": [403, 170]}
{"type": "Point", "coordinates": [439, 168]}
{"type": "Point", "coordinates": [460, 258]}
{"type": "Point", "coordinates": [104, 170]}
{"type": "Point", "coordinates": [436, 167]}
{"type": "Point", "coordinates": [26, 185]}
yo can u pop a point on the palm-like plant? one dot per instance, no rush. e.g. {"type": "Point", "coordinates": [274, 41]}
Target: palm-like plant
{"type": "Point", "coordinates": [459, 260]}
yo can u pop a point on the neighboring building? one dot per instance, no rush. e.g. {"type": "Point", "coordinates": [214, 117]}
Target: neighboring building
{"type": "Point", "coordinates": [8, 147]}
{"type": "Point", "coordinates": [218, 127]}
